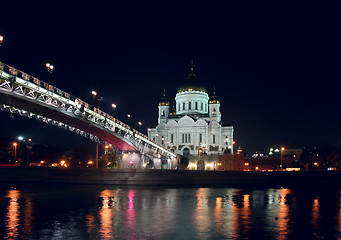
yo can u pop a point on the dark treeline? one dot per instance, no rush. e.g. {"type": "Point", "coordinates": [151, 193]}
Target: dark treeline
{"type": "Point", "coordinates": [26, 153]}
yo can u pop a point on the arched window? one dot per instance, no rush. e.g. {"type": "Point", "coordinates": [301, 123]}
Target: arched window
{"type": "Point", "coordinates": [189, 106]}
{"type": "Point", "coordinates": [183, 106]}
{"type": "Point", "coordinates": [196, 105]}
{"type": "Point", "coordinates": [163, 112]}
{"type": "Point", "coordinates": [202, 106]}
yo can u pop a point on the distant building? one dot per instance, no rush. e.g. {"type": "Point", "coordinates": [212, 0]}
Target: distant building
{"type": "Point", "coordinates": [193, 125]}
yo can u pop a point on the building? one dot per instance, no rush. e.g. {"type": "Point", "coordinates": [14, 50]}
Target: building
{"type": "Point", "coordinates": [192, 126]}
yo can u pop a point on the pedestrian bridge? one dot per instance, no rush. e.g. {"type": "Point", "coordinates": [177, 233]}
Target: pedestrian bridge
{"type": "Point", "coordinates": [23, 94]}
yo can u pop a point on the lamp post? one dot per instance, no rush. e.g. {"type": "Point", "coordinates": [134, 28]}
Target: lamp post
{"type": "Point", "coordinates": [15, 152]}
{"type": "Point", "coordinates": [49, 68]}
{"type": "Point", "coordinates": [128, 117]}
{"type": "Point", "coordinates": [94, 94]}
{"type": "Point", "coordinates": [113, 107]}
{"type": "Point", "coordinates": [282, 149]}
{"type": "Point", "coordinates": [140, 124]}
{"type": "Point", "coordinates": [106, 147]}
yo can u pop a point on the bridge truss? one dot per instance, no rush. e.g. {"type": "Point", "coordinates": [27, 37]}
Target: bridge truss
{"type": "Point", "coordinates": [23, 94]}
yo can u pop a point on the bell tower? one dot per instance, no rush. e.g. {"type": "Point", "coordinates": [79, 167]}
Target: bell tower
{"type": "Point", "coordinates": [214, 107]}
{"type": "Point", "coordinates": [163, 109]}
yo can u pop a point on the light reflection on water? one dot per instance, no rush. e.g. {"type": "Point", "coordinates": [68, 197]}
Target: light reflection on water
{"type": "Point", "coordinates": [80, 212]}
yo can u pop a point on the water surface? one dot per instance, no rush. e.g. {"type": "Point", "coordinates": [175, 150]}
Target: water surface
{"type": "Point", "coordinates": [111, 212]}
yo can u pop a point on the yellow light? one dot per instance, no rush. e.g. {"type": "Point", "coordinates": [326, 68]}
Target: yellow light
{"type": "Point", "coordinates": [219, 164]}
{"type": "Point", "coordinates": [106, 146]}
{"type": "Point", "coordinates": [15, 144]}
{"type": "Point", "coordinates": [282, 148]}
{"type": "Point", "coordinates": [90, 162]}
{"type": "Point", "coordinates": [315, 163]}
{"type": "Point", "coordinates": [233, 142]}
{"type": "Point", "coordinates": [42, 162]}
{"type": "Point", "coordinates": [246, 164]}
{"type": "Point", "coordinates": [257, 168]}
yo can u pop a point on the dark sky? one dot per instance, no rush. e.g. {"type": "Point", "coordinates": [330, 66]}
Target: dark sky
{"type": "Point", "coordinates": [275, 65]}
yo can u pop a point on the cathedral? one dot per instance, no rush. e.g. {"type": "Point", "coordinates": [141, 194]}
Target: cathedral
{"type": "Point", "coordinates": [192, 126]}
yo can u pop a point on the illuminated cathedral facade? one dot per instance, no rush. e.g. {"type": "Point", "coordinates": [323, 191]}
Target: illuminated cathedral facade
{"type": "Point", "coordinates": [193, 125]}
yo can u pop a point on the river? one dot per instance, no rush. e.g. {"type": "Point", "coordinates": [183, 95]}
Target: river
{"type": "Point", "coordinates": [113, 212]}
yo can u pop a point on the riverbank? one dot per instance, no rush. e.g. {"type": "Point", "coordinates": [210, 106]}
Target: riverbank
{"type": "Point", "coordinates": [167, 177]}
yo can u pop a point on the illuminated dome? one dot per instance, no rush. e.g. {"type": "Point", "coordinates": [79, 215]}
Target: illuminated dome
{"type": "Point", "coordinates": [192, 83]}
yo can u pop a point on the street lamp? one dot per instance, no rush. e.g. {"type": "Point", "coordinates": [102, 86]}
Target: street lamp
{"type": "Point", "coordinates": [128, 117]}
{"type": "Point", "coordinates": [94, 94]}
{"type": "Point", "coordinates": [114, 107]}
{"type": "Point", "coordinates": [1, 39]}
{"type": "Point", "coordinates": [199, 152]}
{"type": "Point", "coordinates": [15, 152]}
{"type": "Point", "coordinates": [282, 149]}
{"type": "Point", "coordinates": [49, 68]}
{"type": "Point", "coordinates": [140, 124]}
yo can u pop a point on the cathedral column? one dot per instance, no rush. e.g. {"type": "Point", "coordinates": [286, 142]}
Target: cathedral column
{"type": "Point", "coordinates": [220, 140]}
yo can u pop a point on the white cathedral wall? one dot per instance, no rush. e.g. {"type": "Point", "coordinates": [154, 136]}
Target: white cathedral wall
{"type": "Point", "coordinates": [223, 137]}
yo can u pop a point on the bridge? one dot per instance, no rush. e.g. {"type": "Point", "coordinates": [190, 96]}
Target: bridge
{"type": "Point", "coordinates": [23, 94]}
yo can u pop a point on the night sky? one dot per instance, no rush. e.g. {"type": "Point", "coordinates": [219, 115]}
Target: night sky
{"type": "Point", "coordinates": [275, 65]}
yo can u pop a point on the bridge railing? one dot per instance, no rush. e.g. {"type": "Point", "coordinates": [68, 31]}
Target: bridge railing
{"type": "Point", "coordinates": [23, 79]}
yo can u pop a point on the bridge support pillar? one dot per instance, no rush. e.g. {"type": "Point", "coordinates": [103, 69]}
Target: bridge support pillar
{"type": "Point", "coordinates": [131, 160]}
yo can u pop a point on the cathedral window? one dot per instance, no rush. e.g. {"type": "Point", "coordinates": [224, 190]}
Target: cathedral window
{"type": "Point", "coordinates": [200, 137]}
{"type": "Point", "coordinates": [186, 138]}
{"type": "Point", "coordinates": [172, 138]}
{"type": "Point", "coordinates": [213, 139]}
{"type": "Point", "coordinates": [183, 106]}
{"type": "Point", "coordinates": [196, 105]}
{"type": "Point", "coordinates": [202, 106]}
{"type": "Point", "coordinates": [189, 105]}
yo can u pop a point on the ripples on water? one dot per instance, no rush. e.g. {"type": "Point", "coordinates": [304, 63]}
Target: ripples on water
{"type": "Point", "coordinates": [89, 212]}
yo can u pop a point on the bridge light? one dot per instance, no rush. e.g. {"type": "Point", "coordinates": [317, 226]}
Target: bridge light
{"type": "Point", "coordinates": [94, 93]}
{"type": "Point", "coordinates": [20, 138]}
